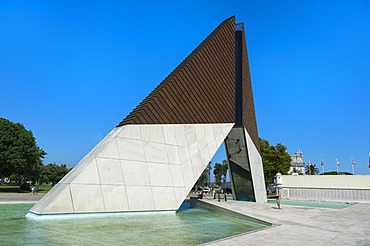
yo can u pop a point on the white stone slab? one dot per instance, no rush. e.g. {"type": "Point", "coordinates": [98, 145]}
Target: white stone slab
{"type": "Point", "coordinates": [87, 198]}
{"type": "Point", "coordinates": [205, 156]}
{"type": "Point", "coordinates": [130, 131]}
{"type": "Point", "coordinates": [219, 140]}
{"type": "Point", "coordinates": [103, 143]}
{"type": "Point", "coordinates": [177, 176]}
{"type": "Point", "coordinates": [135, 172]}
{"type": "Point", "coordinates": [173, 155]}
{"type": "Point", "coordinates": [48, 198]}
{"type": "Point", "coordinates": [190, 134]}
{"type": "Point", "coordinates": [193, 149]}
{"type": "Point", "coordinates": [200, 130]}
{"type": "Point", "coordinates": [180, 194]}
{"type": "Point", "coordinates": [164, 198]}
{"type": "Point", "coordinates": [115, 198]}
{"type": "Point", "coordinates": [209, 133]}
{"type": "Point", "coordinates": [226, 128]}
{"type": "Point", "coordinates": [169, 134]}
{"type": "Point", "coordinates": [152, 133]}
{"type": "Point", "coordinates": [217, 130]}
{"type": "Point", "coordinates": [119, 164]}
{"type": "Point", "coordinates": [140, 198]}
{"type": "Point", "coordinates": [110, 151]}
{"type": "Point", "coordinates": [180, 135]}
{"type": "Point", "coordinates": [159, 174]}
{"type": "Point", "coordinates": [89, 175]}
{"type": "Point", "coordinates": [212, 147]}
{"type": "Point", "coordinates": [77, 170]}
{"type": "Point", "coordinates": [184, 154]}
{"type": "Point", "coordinates": [130, 149]}
{"type": "Point", "coordinates": [188, 175]}
{"type": "Point", "coordinates": [61, 204]}
{"type": "Point", "coordinates": [197, 165]}
{"type": "Point", "coordinates": [202, 142]}
{"type": "Point", "coordinates": [110, 171]}
{"type": "Point", "coordinates": [155, 152]}
{"type": "Point", "coordinates": [256, 170]}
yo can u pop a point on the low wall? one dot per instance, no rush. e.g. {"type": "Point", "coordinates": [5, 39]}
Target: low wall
{"type": "Point", "coordinates": [336, 188]}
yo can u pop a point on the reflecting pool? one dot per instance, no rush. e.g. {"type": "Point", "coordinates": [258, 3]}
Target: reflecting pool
{"type": "Point", "coordinates": [186, 227]}
{"type": "Point", "coordinates": [334, 205]}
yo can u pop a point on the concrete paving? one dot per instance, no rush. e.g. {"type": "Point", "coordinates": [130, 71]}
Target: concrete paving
{"type": "Point", "coordinates": [293, 225]}
{"type": "Point", "coordinates": [6, 198]}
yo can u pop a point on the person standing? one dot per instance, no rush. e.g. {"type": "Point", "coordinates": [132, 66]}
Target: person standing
{"type": "Point", "coordinates": [37, 189]}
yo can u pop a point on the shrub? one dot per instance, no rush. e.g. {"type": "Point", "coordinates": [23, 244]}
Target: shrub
{"type": "Point", "coordinates": [25, 186]}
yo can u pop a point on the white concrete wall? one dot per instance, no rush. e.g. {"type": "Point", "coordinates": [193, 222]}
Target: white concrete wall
{"type": "Point", "coordinates": [327, 181]}
{"type": "Point", "coordinates": [137, 168]}
{"type": "Point", "coordinates": [256, 170]}
{"type": "Point", "coordinates": [340, 188]}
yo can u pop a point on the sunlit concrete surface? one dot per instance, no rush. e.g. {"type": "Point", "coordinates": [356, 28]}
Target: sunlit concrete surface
{"type": "Point", "coordinates": [293, 225]}
{"type": "Point", "coordinates": [137, 168]}
{"type": "Point", "coordinates": [6, 198]}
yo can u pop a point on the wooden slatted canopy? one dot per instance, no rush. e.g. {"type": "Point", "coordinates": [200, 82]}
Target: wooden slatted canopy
{"type": "Point", "coordinates": [248, 110]}
{"type": "Point", "coordinates": [202, 88]}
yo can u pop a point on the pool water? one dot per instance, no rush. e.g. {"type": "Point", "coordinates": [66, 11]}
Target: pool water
{"type": "Point", "coordinates": [312, 204]}
{"type": "Point", "coordinates": [186, 227]}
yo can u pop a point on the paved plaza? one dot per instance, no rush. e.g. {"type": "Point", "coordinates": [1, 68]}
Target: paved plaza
{"type": "Point", "coordinates": [19, 198]}
{"type": "Point", "coordinates": [293, 225]}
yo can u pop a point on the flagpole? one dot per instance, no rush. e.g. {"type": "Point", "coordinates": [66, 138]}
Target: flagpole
{"type": "Point", "coordinates": [337, 168]}
{"type": "Point", "coordinates": [353, 168]}
{"type": "Point", "coordinates": [322, 164]}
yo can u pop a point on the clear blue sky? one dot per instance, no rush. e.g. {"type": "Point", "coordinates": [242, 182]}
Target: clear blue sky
{"type": "Point", "coordinates": [72, 70]}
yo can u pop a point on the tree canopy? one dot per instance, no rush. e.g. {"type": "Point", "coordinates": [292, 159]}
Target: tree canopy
{"type": "Point", "coordinates": [275, 159]}
{"type": "Point", "coordinates": [53, 173]}
{"type": "Point", "coordinates": [311, 169]}
{"type": "Point", "coordinates": [335, 173]}
{"type": "Point", "coordinates": [218, 172]}
{"type": "Point", "coordinates": [19, 153]}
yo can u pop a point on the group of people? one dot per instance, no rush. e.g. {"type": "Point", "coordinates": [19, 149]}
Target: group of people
{"type": "Point", "coordinates": [35, 190]}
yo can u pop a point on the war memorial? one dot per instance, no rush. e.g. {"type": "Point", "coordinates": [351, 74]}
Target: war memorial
{"type": "Point", "coordinates": [152, 159]}
{"type": "Point", "coordinates": [138, 176]}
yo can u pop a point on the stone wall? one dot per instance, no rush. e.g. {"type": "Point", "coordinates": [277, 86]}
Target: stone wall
{"type": "Point", "coordinates": [337, 188]}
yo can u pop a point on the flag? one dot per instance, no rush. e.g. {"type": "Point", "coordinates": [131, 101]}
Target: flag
{"type": "Point", "coordinates": [369, 160]}
{"type": "Point", "coordinates": [322, 162]}
{"type": "Point", "coordinates": [353, 163]}
{"type": "Point", "coordinates": [338, 163]}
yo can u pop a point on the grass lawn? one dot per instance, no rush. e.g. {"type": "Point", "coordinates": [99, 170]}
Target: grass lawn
{"type": "Point", "coordinates": [16, 189]}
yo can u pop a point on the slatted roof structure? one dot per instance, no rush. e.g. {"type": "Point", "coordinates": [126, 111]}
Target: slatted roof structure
{"type": "Point", "coordinates": [202, 88]}
{"type": "Point", "coordinates": [248, 110]}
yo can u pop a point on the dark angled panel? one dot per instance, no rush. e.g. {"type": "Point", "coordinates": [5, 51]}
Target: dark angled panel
{"type": "Point", "coordinates": [200, 90]}
{"type": "Point", "coordinates": [248, 114]}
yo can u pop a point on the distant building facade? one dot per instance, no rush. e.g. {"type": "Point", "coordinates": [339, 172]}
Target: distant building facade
{"type": "Point", "coordinates": [297, 164]}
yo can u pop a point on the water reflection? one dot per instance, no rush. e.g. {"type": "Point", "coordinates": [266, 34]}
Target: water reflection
{"type": "Point", "coordinates": [186, 227]}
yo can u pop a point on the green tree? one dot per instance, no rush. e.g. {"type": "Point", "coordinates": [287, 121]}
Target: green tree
{"type": "Point", "coordinates": [53, 173]}
{"type": "Point", "coordinates": [19, 153]}
{"type": "Point", "coordinates": [204, 178]}
{"type": "Point", "coordinates": [218, 171]}
{"type": "Point", "coordinates": [311, 169]}
{"type": "Point", "coordinates": [335, 173]}
{"type": "Point", "coordinates": [225, 167]}
{"type": "Point", "coordinates": [275, 159]}
{"type": "Point", "coordinates": [297, 170]}
{"type": "Point", "coordinates": [209, 169]}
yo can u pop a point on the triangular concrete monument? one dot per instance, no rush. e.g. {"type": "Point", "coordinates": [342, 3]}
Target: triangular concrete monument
{"type": "Point", "coordinates": [153, 158]}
